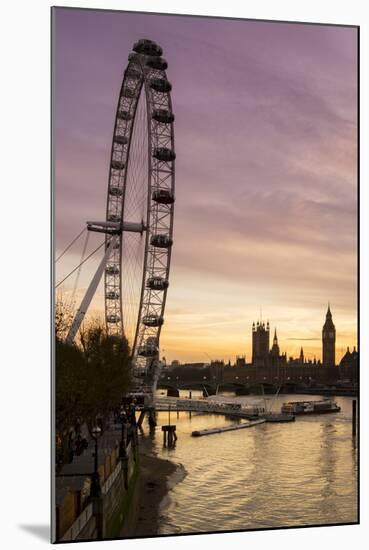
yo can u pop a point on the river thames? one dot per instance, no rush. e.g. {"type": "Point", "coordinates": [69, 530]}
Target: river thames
{"type": "Point", "coordinates": [271, 475]}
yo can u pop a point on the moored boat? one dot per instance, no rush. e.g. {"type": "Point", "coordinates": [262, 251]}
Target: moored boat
{"type": "Point", "coordinates": [310, 407]}
{"type": "Point", "coordinates": [282, 417]}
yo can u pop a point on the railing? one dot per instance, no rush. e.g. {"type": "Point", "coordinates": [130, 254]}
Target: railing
{"type": "Point", "coordinates": [80, 523]}
{"type": "Point", "coordinates": [113, 476]}
{"type": "Point", "coordinates": [82, 520]}
{"type": "Point", "coordinates": [109, 482]}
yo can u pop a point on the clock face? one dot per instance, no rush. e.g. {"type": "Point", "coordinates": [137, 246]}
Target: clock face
{"type": "Point", "coordinates": [331, 335]}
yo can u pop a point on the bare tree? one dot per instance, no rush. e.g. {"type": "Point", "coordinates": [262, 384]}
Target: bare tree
{"type": "Point", "coordinates": [64, 313]}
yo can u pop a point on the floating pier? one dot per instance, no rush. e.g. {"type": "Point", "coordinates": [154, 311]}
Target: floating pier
{"type": "Point", "coordinates": [203, 406]}
{"type": "Point", "coordinates": [279, 417]}
{"type": "Point", "coordinates": [233, 427]}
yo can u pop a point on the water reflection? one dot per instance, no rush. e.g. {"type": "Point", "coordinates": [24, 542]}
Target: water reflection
{"type": "Point", "coordinates": [270, 475]}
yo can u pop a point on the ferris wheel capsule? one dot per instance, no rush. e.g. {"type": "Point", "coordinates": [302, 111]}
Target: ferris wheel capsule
{"type": "Point", "coordinates": [161, 241]}
{"type": "Point", "coordinates": [148, 350]}
{"type": "Point", "coordinates": [147, 47]}
{"type": "Point", "coordinates": [113, 318]}
{"type": "Point", "coordinates": [124, 115]}
{"type": "Point", "coordinates": [153, 320]}
{"type": "Point", "coordinates": [117, 165]}
{"type": "Point", "coordinates": [112, 270]}
{"type": "Point", "coordinates": [160, 85]}
{"type": "Point", "coordinates": [115, 191]}
{"type": "Point", "coordinates": [122, 140]}
{"type": "Point", "coordinates": [157, 63]}
{"type": "Point", "coordinates": [112, 295]}
{"type": "Point", "coordinates": [157, 283]}
{"type": "Point", "coordinates": [164, 153]}
{"type": "Point", "coordinates": [163, 115]}
{"type": "Point", "coordinates": [163, 196]}
{"type": "Point", "coordinates": [133, 73]}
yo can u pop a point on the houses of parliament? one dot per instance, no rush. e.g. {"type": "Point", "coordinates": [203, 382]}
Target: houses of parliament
{"type": "Point", "coordinates": [265, 356]}
{"type": "Point", "coordinates": [269, 366]}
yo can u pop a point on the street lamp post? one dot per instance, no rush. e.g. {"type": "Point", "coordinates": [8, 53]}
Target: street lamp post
{"type": "Point", "coordinates": [95, 479]}
{"type": "Point", "coordinates": [95, 491]}
{"type": "Point", "coordinates": [123, 440]}
{"type": "Point", "coordinates": [123, 447]}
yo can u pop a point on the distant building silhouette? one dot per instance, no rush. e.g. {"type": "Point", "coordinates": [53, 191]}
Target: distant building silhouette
{"type": "Point", "coordinates": [350, 359]}
{"type": "Point", "coordinates": [329, 340]}
{"type": "Point", "coordinates": [262, 356]}
{"type": "Point", "coordinates": [260, 343]}
{"type": "Point", "coordinates": [240, 361]}
{"type": "Point", "coordinates": [274, 352]}
{"type": "Point", "coordinates": [270, 366]}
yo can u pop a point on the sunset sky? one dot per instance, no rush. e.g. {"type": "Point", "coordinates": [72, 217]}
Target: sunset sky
{"type": "Point", "coordinates": [266, 186]}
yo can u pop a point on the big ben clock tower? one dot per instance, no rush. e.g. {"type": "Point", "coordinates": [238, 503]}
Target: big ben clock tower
{"type": "Point", "coordinates": [329, 341]}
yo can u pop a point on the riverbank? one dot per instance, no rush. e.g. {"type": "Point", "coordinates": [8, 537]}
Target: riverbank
{"type": "Point", "coordinates": [154, 483]}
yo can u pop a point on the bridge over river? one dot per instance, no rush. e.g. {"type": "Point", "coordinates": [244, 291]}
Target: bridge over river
{"type": "Point", "coordinates": [250, 379]}
{"type": "Point", "coordinates": [173, 387]}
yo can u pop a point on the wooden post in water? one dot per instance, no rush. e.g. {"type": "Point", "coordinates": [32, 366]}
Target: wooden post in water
{"type": "Point", "coordinates": [354, 417]}
{"type": "Point", "coordinates": [169, 435]}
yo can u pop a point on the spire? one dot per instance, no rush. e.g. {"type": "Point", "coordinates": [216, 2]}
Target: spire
{"type": "Point", "coordinates": [328, 324]}
{"type": "Point", "coordinates": [275, 339]}
{"type": "Point", "coordinates": [329, 314]}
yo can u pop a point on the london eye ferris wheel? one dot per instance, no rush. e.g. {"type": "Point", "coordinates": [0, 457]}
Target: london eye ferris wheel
{"type": "Point", "coordinates": [138, 225]}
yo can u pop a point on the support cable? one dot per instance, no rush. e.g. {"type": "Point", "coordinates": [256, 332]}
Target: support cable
{"type": "Point", "coordinates": [71, 244]}
{"type": "Point", "coordinates": [78, 266]}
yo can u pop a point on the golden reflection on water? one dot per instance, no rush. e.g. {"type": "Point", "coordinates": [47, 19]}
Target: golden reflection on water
{"type": "Point", "coordinates": [271, 475]}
